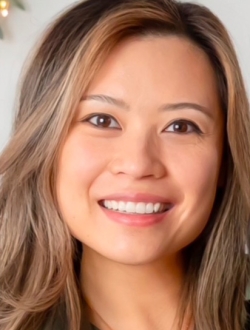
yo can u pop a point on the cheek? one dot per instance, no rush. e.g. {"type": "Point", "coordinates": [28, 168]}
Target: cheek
{"type": "Point", "coordinates": [81, 160]}
{"type": "Point", "coordinates": [200, 176]}
{"type": "Point", "coordinates": [196, 167]}
{"type": "Point", "coordinates": [80, 163]}
{"type": "Point", "coordinates": [196, 177]}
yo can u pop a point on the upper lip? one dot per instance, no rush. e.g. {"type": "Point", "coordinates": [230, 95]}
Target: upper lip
{"type": "Point", "coordinates": [137, 197]}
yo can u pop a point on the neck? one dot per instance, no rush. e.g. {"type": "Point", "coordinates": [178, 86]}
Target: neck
{"type": "Point", "coordinates": [132, 296]}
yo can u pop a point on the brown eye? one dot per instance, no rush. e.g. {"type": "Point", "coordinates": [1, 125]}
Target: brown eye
{"type": "Point", "coordinates": [103, 121]}
{"type": "Point", "coordinates": [180, 127]}
{"type": "Point", "coordinates": [183, 127]}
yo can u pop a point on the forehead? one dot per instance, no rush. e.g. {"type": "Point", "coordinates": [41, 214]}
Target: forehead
{"type": "Point", "coordinates": [158, 68]}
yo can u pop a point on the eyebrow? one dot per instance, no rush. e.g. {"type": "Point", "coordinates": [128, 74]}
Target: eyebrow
{"type": "Point", "coordinates": [107, 99]}
{"type": "Point", "coordinates": [186, 105]}
{"type": "Point", "coordinates": [165, 107]}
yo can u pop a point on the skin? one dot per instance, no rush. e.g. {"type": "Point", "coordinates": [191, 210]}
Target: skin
{"type": "Point", "coordinates": [148, 152]}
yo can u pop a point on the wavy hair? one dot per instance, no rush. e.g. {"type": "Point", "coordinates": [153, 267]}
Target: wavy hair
{"type": "Point", "coordinates": [38, 256]}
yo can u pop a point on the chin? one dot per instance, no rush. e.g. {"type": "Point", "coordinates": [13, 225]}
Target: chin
{"type": "Point", "coordinates": [136, 257]}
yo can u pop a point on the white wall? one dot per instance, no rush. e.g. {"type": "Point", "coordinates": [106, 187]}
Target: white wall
{"type": "Point", "coordinates": [23, 28]}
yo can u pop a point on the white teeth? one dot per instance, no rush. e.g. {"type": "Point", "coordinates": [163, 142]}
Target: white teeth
{"type": "Point", "coordinates": [121, 206]}
{"type": "Point", "coordinates": [106, 204]}
{"type": "Point", "coordinates": [131, 207]}
{"type": "Point", "coordinates": [157, 207]}
{"type": "Point", "coordinates": [149, 208]}
{"type": "Point", "coordinates": [114, 205]}
{"type": "Point", "coordinates": [140, 208]}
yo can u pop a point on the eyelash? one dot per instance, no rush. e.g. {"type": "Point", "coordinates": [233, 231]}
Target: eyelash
{"type": "Point", "coordinates": [195, 128]}
{"type": "Point", "coordinates": [101, 115]}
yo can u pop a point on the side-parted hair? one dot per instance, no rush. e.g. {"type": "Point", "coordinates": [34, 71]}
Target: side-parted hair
{"type": "Point", "coordinates": [38, 255]}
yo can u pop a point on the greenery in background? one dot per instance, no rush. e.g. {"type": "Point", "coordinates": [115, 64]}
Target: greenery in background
{"type": "Point", "coordinates": [16, 3]}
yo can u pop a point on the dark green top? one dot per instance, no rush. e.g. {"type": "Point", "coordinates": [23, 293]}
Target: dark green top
{"type": "Point", "coordinates": [246, 328]}
{"type": "Point", "coordinates": [93, 327]}
{"type": "Point", "coordinates": [59, 322]}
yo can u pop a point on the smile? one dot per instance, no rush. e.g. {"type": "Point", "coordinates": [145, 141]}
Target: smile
{"type": "Point", "coordinates": [135, 208]}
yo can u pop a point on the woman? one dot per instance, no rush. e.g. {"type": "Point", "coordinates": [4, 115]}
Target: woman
{"type": "Point", "coordinates": [131, 140]}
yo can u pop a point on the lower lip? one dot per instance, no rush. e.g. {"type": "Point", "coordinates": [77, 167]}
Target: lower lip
{"type": "Point", "coordinates": [135, 220]}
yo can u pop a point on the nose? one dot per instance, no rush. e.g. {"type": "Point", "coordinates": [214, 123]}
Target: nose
{"type": "Point", "coordinates": [138, 158]}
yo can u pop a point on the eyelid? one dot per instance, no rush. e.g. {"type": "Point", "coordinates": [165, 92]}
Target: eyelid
{"type": "Point", "coordinates": [99, 114]}
{"type": "Point", "coordinates": [196, 128]}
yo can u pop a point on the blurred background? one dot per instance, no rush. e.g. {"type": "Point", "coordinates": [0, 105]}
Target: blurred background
{"type": "Point", "coordinates": [21, 28]}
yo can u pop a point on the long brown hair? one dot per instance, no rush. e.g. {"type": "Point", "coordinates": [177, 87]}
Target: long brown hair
{"type": "Point", "coordinates": [37, 252]}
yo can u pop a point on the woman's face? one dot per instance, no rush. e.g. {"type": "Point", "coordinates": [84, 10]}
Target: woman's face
{"type": "Point", "coordinates": [147, 138]}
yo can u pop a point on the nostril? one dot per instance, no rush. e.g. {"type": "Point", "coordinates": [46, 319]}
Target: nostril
{"type": "Point", "coordinates": [138, 166]}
